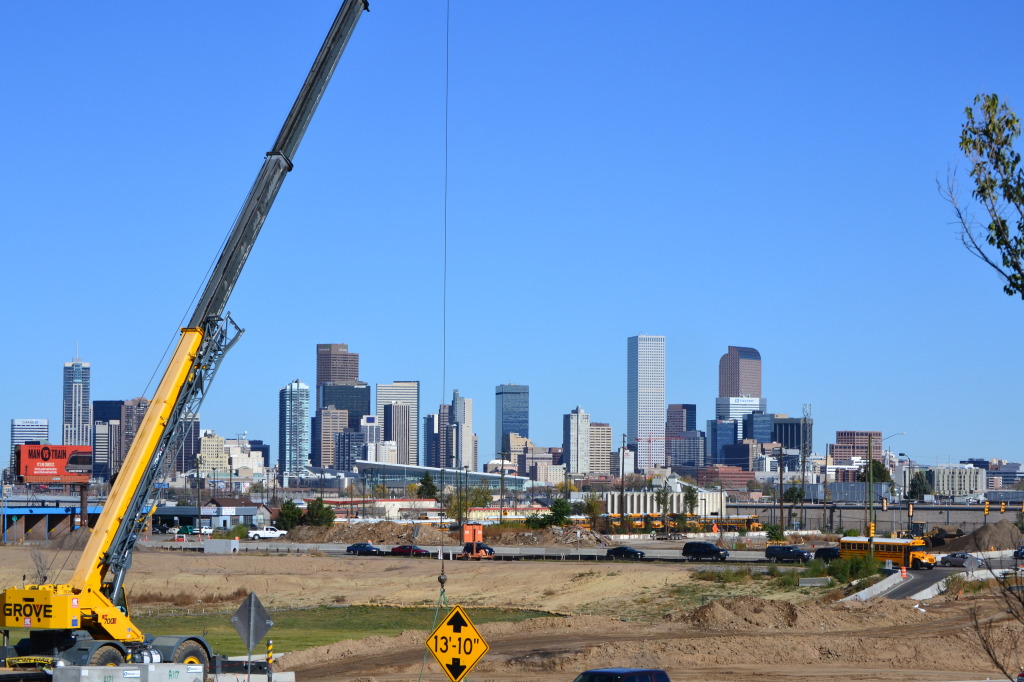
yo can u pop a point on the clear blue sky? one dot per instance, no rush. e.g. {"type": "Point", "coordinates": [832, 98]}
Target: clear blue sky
{"type": "Point", "coordinates": [754, 174]}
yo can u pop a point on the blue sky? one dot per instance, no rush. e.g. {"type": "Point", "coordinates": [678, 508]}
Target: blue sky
{"type": "Point", "coordinates": [754, 174]}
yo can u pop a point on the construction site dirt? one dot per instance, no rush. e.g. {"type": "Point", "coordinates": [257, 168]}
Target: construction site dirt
{"type": "Point", "coordinates": [609, 614]}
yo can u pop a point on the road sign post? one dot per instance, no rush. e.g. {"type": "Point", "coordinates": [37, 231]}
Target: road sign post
{"type": "Point", "coordinates": [252, 622]}
{"type": "Point", "coordinates": [456, 644]}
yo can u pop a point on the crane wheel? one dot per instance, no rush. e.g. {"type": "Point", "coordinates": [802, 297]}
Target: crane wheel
{"type": "Point", "coordinates": [107, 655]}
{"type": "Point", "coordinates": [191, 652]}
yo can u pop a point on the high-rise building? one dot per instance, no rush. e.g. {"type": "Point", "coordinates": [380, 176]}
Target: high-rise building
{"type": "Point", "coordinates": [645, 399]}
{"type": "Point", "coordinates": [759, 426]}
{"type": "Point", "coordinates": [407, 392]}
{"type": "Point", "coordinates": [353, 398]}
{"type": "Point", "coordinates": [28, 431]}
{"type": "Point", "coordinates": [132, 412]}
{"type": "Point", "coordinates": [601, 448]}
{"type": "Point", "coordinates": [511, 413]}
{"type": "Point", "coordinates": [851, 444]}
{"type": "Point", "coordinates": [789, 430]}
{"type": "Point", "coordinates": [680, 417]}
{"type": "Point", "coordinates": [106, 436]}
{"type": "Point", "coordinates": [460, 428]}
{"type": "Point", "coordinates": [77, 423]}
{"type": "Point", "coordinates": [686, 450]}
{"type": "Point", "coordinates": [335, 365]}
{"type": "Point", "coordinates": [263, 449]}
{"type": "Point", "coordinates": [213, 457]}
{"type": "Point", "coordinates": [721, 432]}
{"type": "Point", "coordinates": [188, 448]}
{"type": "Point", "coordinates": [576, 441]}
{"type": "Point", "coordinates": [293, 429]}
{"type": "Point", "coordinates": [327, 423]}
{"type": "Point", "coordinates": [349, 447]}
{"type": "Point", "coordinates": [739, 373]}
{"type": "Point", "coordinates": [435, 440]}
{"type": "Point", "coordinates": [397, 429]}
{"type": "Point", "coordinates": [736, 409]}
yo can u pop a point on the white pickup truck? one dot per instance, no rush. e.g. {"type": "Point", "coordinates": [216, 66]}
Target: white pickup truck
{"type": "Point", "coordinates": [266, 532]}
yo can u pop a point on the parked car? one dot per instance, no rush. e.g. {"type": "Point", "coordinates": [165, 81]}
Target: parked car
{"type": "Point", "coordinates": [623, 675]}
{"type": "Point", "coordinates": [266, 532]}
{"type": "Point", "coordinates": [203, 530]}
{"type": "Point", "coordinates": [958, 559]}
{"type": "Point", "coordinates": [365, 549]}
{"type": "Point", "coordinates": [159, 528]}
{"type": "Point", "coordinates": [695, 551]}
{"type": "Point", "coordinates": [409, 550]}
{"type": "Point", "coordinates": [787, 553]}
{"type": "Point", "coordinates": [826, 554]}
{"type": "Point", "coordinates": [478, 548]}
{"type": "Point", "coordinates": [625, 552]}
{"type": "Point", "coordinates": [1018, 553]}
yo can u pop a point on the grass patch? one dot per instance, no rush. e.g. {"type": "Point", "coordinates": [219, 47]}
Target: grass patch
{"type": "Point", "coordinates": [295, 630]}
{"type": "Point", "coordinates": [726, 575]}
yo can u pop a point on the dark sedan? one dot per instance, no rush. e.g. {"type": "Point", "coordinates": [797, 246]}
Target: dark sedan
{"type": "Point", "coordinates": [409, 550]}
{"type": "Point", "coordinates": [625, 553]}
{"type": "Point", "coordinates": [364, 549]}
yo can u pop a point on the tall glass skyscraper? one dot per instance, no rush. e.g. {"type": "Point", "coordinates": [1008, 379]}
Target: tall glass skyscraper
{"type": "Point", "coordinates": [293, 429]}
{"type": "Point", "coordinates": [407, 393]}
{"type": "Point", "coordinates": [511, 413]}
{"type": "Point", "coordinates": [77, 404]}
{"type": "Point", "coordinates": [25, 431]}
{"type": "Point", "coordinates": [645, 399]}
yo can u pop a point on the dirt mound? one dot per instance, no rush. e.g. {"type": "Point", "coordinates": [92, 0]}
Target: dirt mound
{"type": "Point", "coordinates": [380, 532]}
{"type": "Point", "coordinates": [543, 537]}
{"type": "Point", "coordinates": [993, 536]}
{"type": "Point", "coordinates": [754, 613]}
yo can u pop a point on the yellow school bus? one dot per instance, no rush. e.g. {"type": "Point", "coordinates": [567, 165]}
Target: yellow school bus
{"type": "Point", "coordinates": [909, 552]}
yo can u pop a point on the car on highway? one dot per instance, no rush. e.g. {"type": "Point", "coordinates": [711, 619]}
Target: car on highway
{"type": "Point", "coordinates": [365, 549]}
{"type": "Point", "coordinates": [826, 554]}
{"type": "Point", "coordinates": [625, 552]}
{"type": "Point", "coordinates": [1018, 553]}
{"type": "Point", "coordinates": [695, 551]}
{"type": "Point", "coordinates": [623, 675]}
{"type": "Point", "coordinates": [409, 550]}
{"type": "Point", "coordinates": [958, 559]}
{"type": "Point", "coordinates": [477, 548]}
{"type": "Point", "coordinates": [781, 553]}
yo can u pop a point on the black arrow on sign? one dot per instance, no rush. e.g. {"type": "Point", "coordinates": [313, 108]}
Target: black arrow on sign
{"type": "Point", "coordinates": [457, 622]}
{"type": "Point", "coordinates": [456, 668]}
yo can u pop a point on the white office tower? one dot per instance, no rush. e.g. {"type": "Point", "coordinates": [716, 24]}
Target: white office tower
{"type": "Point", "coordinates": [28, 431]}
{"type": "Point", "coordinates": [408, 393]}
{"type": "Point", "coordinates": [77, 404]}
{"type": "Point", "coordinates": [576, 441]}
{"type": "Point", "coordinates": [462, 442]}
{"type": "Point", "coordinates": [645, 399]}
{"type": "Point", "coordinates": [293, 428]}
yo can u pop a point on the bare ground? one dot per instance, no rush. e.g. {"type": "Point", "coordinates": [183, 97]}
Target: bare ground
{"type": "Point", "coordinates": [621, 614]}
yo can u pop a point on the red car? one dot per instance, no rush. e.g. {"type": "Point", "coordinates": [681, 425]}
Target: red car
{"type": "Point", "coordinates": [409, 550]}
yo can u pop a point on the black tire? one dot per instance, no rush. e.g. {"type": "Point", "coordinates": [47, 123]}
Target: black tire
{"type": "Point", "coordinates": [191, 652]}
{"type": "Point", "coordinates": [931, 566]}
{"type": "Point", "coordinates": [107, 655]}
{"type": "Point", "coordinates": [915, 565]}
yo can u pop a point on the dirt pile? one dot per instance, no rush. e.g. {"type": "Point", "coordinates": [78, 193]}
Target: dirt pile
{"type": "Point", "coordinates": [542, 537]}
{"type": "Point", "coordinates": [379, 533]}
{"type": "Point", "coordinates": [993, 536]}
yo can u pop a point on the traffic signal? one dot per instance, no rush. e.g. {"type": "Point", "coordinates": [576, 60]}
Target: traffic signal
{"type": "Point", "coordinates": [986, 508]}
{"type": "Point", "coordinates": [871, 529]}
{"type": "Point", "coordinates": [1002, 507]}
{"type": "Point", "coordinates": [885, 504]}
{"type": "Point", "coordinates": [910, 509]}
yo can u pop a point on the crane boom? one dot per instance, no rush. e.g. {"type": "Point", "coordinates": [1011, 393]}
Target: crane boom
{"type": "Point", "coordinates": [93, 599]}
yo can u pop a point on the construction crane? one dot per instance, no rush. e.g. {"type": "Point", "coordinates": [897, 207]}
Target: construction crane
{"type": "Point", "coordinates": [86, 621]}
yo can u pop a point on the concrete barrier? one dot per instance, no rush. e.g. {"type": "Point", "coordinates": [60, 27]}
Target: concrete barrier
{"type": "Point", "coordinates": [876, 589]}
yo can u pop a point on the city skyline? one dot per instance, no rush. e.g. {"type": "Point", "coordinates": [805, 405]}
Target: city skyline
{"type": "Point", "coordinates": [636, 183]}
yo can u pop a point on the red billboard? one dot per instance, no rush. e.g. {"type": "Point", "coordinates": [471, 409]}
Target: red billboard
{"type": "Point", "coordinates": [51, 463]}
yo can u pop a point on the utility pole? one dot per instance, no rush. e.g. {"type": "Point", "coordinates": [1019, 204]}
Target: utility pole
{"type": "Point", "coordinates": [622, 482]}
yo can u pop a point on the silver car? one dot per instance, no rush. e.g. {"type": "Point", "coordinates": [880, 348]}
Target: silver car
{"type": "Point", "coordinates": [959, 559]}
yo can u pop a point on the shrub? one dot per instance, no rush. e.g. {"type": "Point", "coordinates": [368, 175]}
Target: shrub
{"type": "Point", "coordinates": [774, 531]}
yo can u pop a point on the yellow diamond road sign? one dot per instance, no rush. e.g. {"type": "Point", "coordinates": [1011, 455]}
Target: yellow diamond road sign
{"type": "Point", "coordinates": [456, 644]}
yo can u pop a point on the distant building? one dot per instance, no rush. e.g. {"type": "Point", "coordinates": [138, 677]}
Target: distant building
{"type": "Point", "coordinates": [328, 422]}
{"type": "Point", "coordinates": [460, 425]}
{"type": "Point", "coordinates": [739, 373]}
{"type": "Point", "coordinates": [601, 448]}
{"type": "Point", "coordinates": [679, 418]}
{"type": "Point", "coordinates": [132, 412]}
{"type": "Point", "coordinates": [396, 429]}
{"type": "Point", "coordinates": [335, 365]}
{"type": "Point", "coordinates": [511, 412]}
{"type": "Point", "coordinates": [353, 398]}
{"type": "Point", "coordinates": [576, 441]}
{"type": "Point", "coordinates": [408, 393]}
{"type": "Point", "coordinates": [77, 422]}
{"type": "Point", "coordinates": [293, 429]}
{"type": "Point", "coordinates": [789, 431]}
{"type": "Point", "coordinates": [435, 438]}
{"type": "Point", "coordinates": [645, 399]}
{"type": "Point", "coordinates": [686, 450]}
{"type": "Point", "coordinates": [720, 432]}
{"type": "Point", "coordinates": [28, 431]}
{"type": "Point", "coordinates": [737, 409]}
{"type": "Point", "coordinates": [854, 444]}
{"type": "Point", "coordinates": [759, 426]}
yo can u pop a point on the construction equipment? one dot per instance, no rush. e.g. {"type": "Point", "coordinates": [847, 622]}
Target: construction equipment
{"type": "Point", "coordinates": [86, 621]}
{"type": "Point", "coordinates": [474, 547]}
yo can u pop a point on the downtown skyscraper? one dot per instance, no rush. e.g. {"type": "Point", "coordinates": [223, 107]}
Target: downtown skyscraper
{"type": "Point", "coordinates": [293, 429]}
{"type": "Point", "coordinates": [511, 413]}
{"type": "Point", "coordinates": [645, 399]}
{"type": "Point", "coordinates": [27, 431]}
{"type": "Point", "coordinates": [407, 393]}
{"type": "Point", "coordinates": [77, 414]}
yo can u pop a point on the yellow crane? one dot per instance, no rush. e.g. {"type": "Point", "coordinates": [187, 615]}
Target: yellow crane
{"type": "Point", "coordinates": [86, 621]}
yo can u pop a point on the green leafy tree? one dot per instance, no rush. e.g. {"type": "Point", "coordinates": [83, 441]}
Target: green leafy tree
{"type": "Point", "coordinates": [289, 515]}
{"type": "Point", "coordinates": [774, 532]}
{"type": "Point", "coordinates": [592, 508]}
{"type": "Point", "coordinates": [480, 496]}
{"type": "Point", "coordinates": [987, 139]}
{"type": "Point", "coordinates": [318, 514]}
{"type": "Point", "coordinates": [879, 473]}
{"type": "Point", "coordinates": [560, 511]}
{"type": "Point", "coordinates": [427, 489]}
{"type": "Point", "coordinates": [661, 498]}
{"type": "Point", "coordinates": [919, 486]}
{"type": "Point", "coordinates": [690, 499]}
{"type": "Point", "coordinates": [257, 487]}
